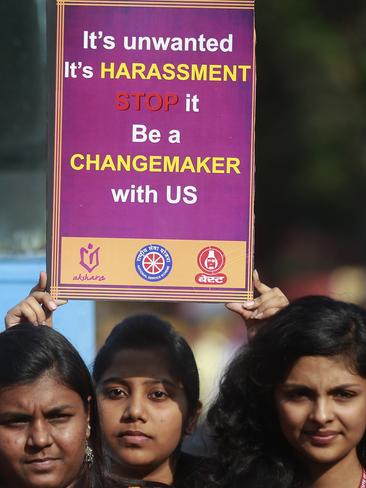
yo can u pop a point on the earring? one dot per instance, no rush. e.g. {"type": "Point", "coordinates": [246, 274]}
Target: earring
{"type": "Point", "coordinates": [89, 454]}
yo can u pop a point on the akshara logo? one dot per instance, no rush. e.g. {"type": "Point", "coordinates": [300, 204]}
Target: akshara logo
{"type": "Point", "coordinates": [89, 257]}
{"type": "Point", "coordinates": [211, 260]}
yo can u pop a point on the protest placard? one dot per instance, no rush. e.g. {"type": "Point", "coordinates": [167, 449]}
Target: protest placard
{"type": "Point", "coordinates": [153, 150]}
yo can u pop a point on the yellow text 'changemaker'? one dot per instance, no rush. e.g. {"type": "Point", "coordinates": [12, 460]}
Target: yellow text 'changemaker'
{"type": "Point", "coordinates": [155, 164]}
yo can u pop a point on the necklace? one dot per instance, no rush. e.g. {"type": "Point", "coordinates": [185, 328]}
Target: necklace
{"type": "Point", "coordinates": [363, 479]}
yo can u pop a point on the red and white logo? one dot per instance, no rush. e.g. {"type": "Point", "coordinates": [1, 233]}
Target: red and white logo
{"type": "Point", "coordinates": [211, 260]}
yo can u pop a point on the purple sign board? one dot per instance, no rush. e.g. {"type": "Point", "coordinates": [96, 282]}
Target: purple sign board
{"type": "Point", "coordinates": [153, 150]}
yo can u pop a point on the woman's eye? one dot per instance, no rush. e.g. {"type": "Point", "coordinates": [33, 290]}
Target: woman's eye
{"type": "Point", "coordinates": [344, 394]}
{"type": "Point", "coordinates": [115, 393]}
{"type": "Point", "coordinates": [158, 395]}
{"type": "Point", "coordinates": [295, 395]}
{"type": "Point", "coordinates": [60, 418]}
{"type": "Point", "coordinates": [16, 423]}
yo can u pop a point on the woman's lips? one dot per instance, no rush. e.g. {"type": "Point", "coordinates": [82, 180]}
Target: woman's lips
{"type": "Point", "coordinates": [322, 438]}
{"type": "Point", "coordinates": [42, 464]}
{"type": "Point", "coordinates": [134, 437]}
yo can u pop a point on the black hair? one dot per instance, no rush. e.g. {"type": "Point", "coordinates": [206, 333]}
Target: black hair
{"type": "Point", "coordinates": [27, 352]}
{"type": "Point", "coordinates": [151, 332]}
{"type": "Point", "coordinates": [132, 483]}
{"type": "Point", "coordinates": [251, 449]}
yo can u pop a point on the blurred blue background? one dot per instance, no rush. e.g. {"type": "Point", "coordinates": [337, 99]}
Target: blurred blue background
{"type": "Point", "coordinates": [76, 320]}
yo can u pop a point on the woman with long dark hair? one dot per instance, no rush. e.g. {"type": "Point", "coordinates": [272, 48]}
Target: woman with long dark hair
{"type": "Point", "coordinates": [148, 394]}
{"type": "Point", "coordinates": [291, 411]}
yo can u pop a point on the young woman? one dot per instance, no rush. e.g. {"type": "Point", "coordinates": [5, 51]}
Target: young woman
{"type": "Point", "coordinates": [291, 411]}
{"type": "Point", "coordinates": [148, 394]}
{"type": "Point", "coordinates": [148, 388]}
{"type": "Point", "coordinates": [49, 426]}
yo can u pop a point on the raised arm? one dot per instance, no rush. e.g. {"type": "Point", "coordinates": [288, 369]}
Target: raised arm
{"type": "Point", "coordinates": [36, 308]}
{"type": "Point", "coordinates": [254, 312]}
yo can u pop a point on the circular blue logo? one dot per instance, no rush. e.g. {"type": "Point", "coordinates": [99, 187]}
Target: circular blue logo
{"type": "Point", "coordinates": [153, 262]}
